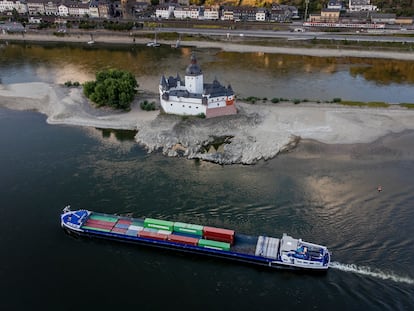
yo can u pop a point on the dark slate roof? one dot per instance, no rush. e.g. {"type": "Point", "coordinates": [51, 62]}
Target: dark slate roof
{"type": "Point", "coordinates": [215, 89]}
{"type": "Point", "coordinates": [193, 69]}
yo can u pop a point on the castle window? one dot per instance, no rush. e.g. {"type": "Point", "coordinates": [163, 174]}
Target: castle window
{"type": "Point", "coordinates": [183, 106]}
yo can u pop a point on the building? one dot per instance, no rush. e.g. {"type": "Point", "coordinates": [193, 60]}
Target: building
{"type": "Point", "coordinates": [330, 15]}
{"type": "Point", "coordinates": [261, 14]}
{"type": "Point", "coordinates": [6, 5]}
{"type": "Point", "coordinates": [385, 18]}
{"type": "Point", "coordinates": [335, 4]}
{"type": "Point", "coordinates": [35, 7]}
{"type": "Point", "coordinates": [194, 97]}
{"type": "Point", "coordinates": [164, 11]}
{"type": "Point", "coordinates": [211, 13]}
{"type": "Point", "coordinates": [361, 5]}
{"type": "Point", "coordinates": [51, 8]}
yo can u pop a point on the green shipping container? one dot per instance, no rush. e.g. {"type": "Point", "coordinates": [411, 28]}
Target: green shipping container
{"type": "Point", "coordinates": [158, 224]}
{"type": "Point", "coordinates": [188, 228]}
{"type": "Point", "coordinates": [214, 244]}
{"type": "Point", "coordinates": [103, 218]}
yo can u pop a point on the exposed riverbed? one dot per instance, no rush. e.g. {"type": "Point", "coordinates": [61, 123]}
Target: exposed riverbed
{"type": "Point", "coordinates": [259, 131]}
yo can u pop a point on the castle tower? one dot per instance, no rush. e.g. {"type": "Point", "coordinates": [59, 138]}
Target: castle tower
{"type": "Point", "coordinates": [194, 77]}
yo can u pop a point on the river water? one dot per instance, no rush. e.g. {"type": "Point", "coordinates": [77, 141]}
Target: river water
{"type": "Point", "coordinates": [322, 193]}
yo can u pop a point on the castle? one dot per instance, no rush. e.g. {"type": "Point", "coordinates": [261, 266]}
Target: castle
{"type": "Point", "coordinates": [194, 97]}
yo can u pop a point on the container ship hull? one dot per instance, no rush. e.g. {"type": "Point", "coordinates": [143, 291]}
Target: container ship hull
{"type": "Point", "coordinates": [287, 252]}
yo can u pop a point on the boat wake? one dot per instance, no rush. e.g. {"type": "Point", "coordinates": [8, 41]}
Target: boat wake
{"type": "Point", "coordinates": [363, 270]}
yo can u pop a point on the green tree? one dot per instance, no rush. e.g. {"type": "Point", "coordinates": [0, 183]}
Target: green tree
{"type": "Point", "coordinates": [114, 88]}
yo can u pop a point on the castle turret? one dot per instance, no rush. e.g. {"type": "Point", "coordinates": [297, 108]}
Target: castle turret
{"type": "Point", "coordinates": [194, 77]}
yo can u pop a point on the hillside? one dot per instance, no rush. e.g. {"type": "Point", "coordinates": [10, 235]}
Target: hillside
{"type": "Point", "coordinates": [400, 7]}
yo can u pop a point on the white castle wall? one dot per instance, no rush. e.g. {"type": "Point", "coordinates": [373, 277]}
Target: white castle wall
{"type": "Point", "coordinates": [194, 84]}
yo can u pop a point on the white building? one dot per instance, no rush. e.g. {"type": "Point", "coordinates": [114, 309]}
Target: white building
{"type": "Point", "coordinates": [261, 15]}
{"type": "Point", "coordinates": [211, 13]}
{"type": "Point", "coordinates": [361, 5]}
{"type": "Point", "coordinates": [194, 97]}
{"type": "Point", "coordinates": [63, 10]}
{"type": "Point", "coordinates": [164, 11]}
{"type": "Point", "coordinates": [6, 5]}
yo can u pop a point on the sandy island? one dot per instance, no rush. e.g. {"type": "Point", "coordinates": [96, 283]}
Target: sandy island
{"type": "Point", "coordinates": [258, 132]}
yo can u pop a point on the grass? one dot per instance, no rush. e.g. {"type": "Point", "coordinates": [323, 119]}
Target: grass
{"type": "Point", "coordinates": [364, 104]}
{"type": "Point", "coordinates": [407, 105]}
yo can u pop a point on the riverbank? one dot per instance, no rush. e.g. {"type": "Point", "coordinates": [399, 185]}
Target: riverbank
{"type": "Point", "coordinates": [123, 38]}
{"type": "Point", "coordinates": [259, 131]}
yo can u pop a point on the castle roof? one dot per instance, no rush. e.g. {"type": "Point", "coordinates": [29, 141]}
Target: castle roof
{"type": "Point", "coordinates": [193, 69]}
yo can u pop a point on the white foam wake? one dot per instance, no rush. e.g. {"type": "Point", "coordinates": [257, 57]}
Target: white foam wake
{"type": "Point", "coordinates": [371, 272]}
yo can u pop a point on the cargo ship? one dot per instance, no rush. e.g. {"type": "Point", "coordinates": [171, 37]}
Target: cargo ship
{"type": "Point", "coordinates": [286, 252]}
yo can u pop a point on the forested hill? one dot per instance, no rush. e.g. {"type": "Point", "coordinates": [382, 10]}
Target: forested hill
{"type": "Point", "coordinates": [400, 7]}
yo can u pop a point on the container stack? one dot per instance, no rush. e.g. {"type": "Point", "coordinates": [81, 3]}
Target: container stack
{"type": "Point", "coordinates": [100, 223]}
{"type": "Point", "coordinates": [152, 235]}
{"type": "Point", "coordinates": [190, 229]}
{"type": "Point", "coordinates": [218, 234]}
{"type": "Point", "coordinates": [214, 245]}
{"type": "Point", "coordinates": [158, 224]}
{"type": "Point", "coordinates": [183, 239]}
{"type": "Point", "coordinates": [121, 226]}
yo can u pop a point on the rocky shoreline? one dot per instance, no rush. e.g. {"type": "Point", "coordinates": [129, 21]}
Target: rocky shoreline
{"type": "Point", "coordinates": [257, 132]}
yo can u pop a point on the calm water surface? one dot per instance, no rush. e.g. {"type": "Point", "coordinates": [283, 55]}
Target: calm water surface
{"type": "Point", "coordinates": [322, 193]}
{"type": "Point", "coordinates": [250, 74]}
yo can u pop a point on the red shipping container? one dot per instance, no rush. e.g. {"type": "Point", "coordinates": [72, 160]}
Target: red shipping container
{"type": "Point", "coordinates": [152, 235]}
{"type": "Point", "coordinates": [218, 231]}
{"type": "Point", "coordinates": [100, 222]}
{"type": "Point", "coordinates": [183, 239]}
{"type": "Point", "coordinates": [119, 230]}
{"type": "Point", "coordinates": [97, 225]}
{"type": "Point", "coordinates": [219, 238]}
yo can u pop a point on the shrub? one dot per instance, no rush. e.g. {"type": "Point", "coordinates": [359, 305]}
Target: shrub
{"type": "Point", "coordinates": [275, 100]}
{"type": "Point", "coordinates": [296, 101]}
{"type": "Point", "coordinates": [145, 105]}
{"type": "Point", "coordinates": [337, 100]}
{"type": "Point", "coordinates": [201, 115]}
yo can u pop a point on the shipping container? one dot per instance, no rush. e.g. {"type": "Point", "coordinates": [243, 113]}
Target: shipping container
{"type": "Point", "coordinates": [123, 226]}
{"type": "Point", "coordinates": [136, 228]}
{"type": "Point", "coordinates": [96, 225]}
{"type": "Point", "coordinates": [166, 232]}
{"type": "Point", "coordinates": [152, 235]}
{"type": "Point", "coordinates": [188, 228]}
{"type": "Point", "coordinates": [131, 232]}
{"type": "Point", "coordinates": [124, 222]}
{"type": "Point", "coordinates": [119, 230]}
{"type": "Point", "coordinates": [183, 239]}
{"type": "Point", "coordinates": [158, 224]}
{"type": "Point", "coordinates": [219, 239]}
{"type": "Point", "coordinates": [214, 244]}
{"type": "Point", "coordinates": [103, 217]}
{"type": "Point", "coordinates": [100, 222]}
{"type": "Point", "coordinates": [97, 229]}
{"type": "Point", "coordinates": [218, 232]}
